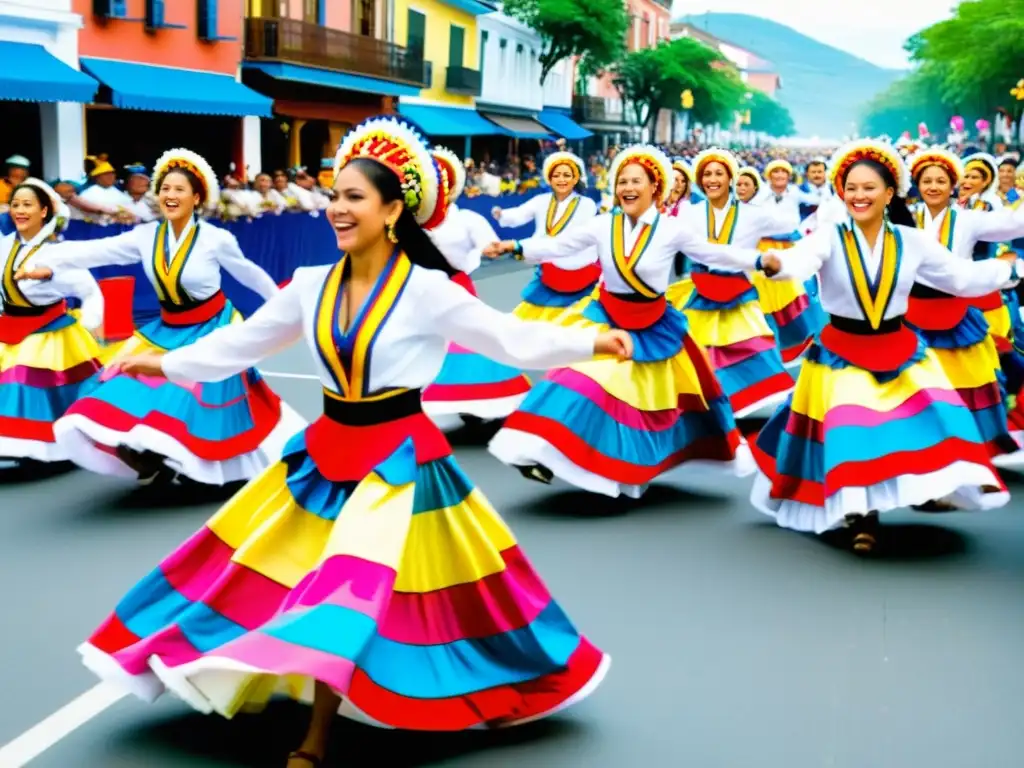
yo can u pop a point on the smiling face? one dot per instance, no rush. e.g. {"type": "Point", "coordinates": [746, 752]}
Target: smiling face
{"type": "Point", "coordinates": [177, 199]}
{"type": "Point", "coordinates": [679, 184]}
{"type": "Point", "coordinates": [779, 179]}
{"type": "Point", "coordinates": [1007, 177]}
{"type": "Point", "coordinates": [816, 174]}
{"type": "Point", "coordinates": [27, 212]}
{"type": "Point", "coordinates": [562, 180]}
{"type": "Point", "coordinates": [715, 180]}
{"type": "Point", "coordinates": [745, 189]}
{"type": "Point", "coordinates": [634, 190]}
{"type": "Point", "coordinates": [935, 186]}
{"type": "Point", "coordinates": [358, 213]}
{"type": "Point", "coordinates": [974, 183]}
{"type": "Point", "coordinates": [866, 194]}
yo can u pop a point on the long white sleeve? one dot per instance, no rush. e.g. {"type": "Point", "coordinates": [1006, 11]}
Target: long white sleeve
{"type": "Point", "coordinates": [237, 347]}
{"type": "Point", "coordinates": [727, 257]}
{"type": "Point", "coordinates": [570, 242]}
{"type": "Point", "coordinates": [805, 259]}
{"type": "Point", "coordinates": [519, 216]}
{"type": "Point", "coordinates": [774, 218]}
{"type": "Point", "coordinates": [87, 254]}
{"type": "Point", "coordinates": [465, 320]}
{"type": "Point", "coordinates": [481, 234]}
{"type": "Point", "coordinates": [249, 274]}
{"type": "Point", "coordinates": [995, 226]}
{"type": "Point", "coordinates": [80, 283]}
{"type": "Point", "coordinates": [959, 276]}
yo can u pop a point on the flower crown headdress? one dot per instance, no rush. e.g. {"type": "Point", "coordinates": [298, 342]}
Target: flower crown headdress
{"type": "Point", "coordinates": [452, 169]}
{"type": "Point", "coordinates": [653, 160]}
{"type": "Point", "coordinates": [937, 156]}
{"type": "Point", "coordinates": [556, 159]}
{"type": "Point", "coordinates": [868, 149]}
{"type": "Point", "coordinates": [716, 155]}
{"type": "Point", "coordinates": [187, 160]}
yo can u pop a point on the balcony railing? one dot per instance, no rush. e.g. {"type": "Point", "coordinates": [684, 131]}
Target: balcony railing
{"type": "Point", "coordinates": [299, 42]}
{"type": "Point", "coordinates": [464, 81]}
{"type": "Point", "coordinates": [594, 109]}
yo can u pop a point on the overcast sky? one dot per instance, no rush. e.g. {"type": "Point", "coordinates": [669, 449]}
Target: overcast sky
{"type": "Point", "coordinates": [872, 29]}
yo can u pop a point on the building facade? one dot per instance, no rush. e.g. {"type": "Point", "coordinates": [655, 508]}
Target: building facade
{"type": "Point", "coordinates": [43, 119]}
{"type": "Point", "coordinates": [755, 71]}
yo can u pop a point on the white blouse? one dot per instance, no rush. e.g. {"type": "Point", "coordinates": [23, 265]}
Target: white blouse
{"type": "Point", "coordinates": [921, 259]}
{"type": "Point", "coordinates": [70, 282]}
{"type": "Point", "coordinates": [971, 227]}
{"type": "Point", "coordinates": [214, 248]}
{"type": "Point", "coordinates": [653, 264]}
{"type": "Point", "coordinates": [461, 237]}
{"type": "Point", "coordinates": [536, 210]}
{"type": "Point", "coordinates": [409, 348]}
{"type": "Point", "coordinates": [753, 222]}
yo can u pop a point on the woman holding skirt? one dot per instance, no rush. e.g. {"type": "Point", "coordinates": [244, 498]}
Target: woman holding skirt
{"type": "Point", "coordinates": [48, 358]}
{"type": "Point", "coordinates": [557, 293]}
{"type": "Point", "coordinates": [469, 385]}
{"type": "Point", "coordinates": [874, 423]}
{"type": "Point", "coordinates": [955, 329]}
{"type": "Point", "coordinates": [153, 429]}
{"type": "Point", "coordinates": [612, 426]}
{"type": "Point", "coordinates": [363, 572]}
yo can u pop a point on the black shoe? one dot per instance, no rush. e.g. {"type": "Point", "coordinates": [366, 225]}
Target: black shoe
{"type": "Point", "coordinates": [537, 472]}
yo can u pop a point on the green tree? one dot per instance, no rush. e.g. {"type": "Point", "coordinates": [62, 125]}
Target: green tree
{"type": "Point", "coordinates": [651, 79]}
{"type": "Point", "coordinates": [594, 30]}
{"type": "Point", "coordinates": [914, 98]}
{"type": "Point", "coordinates": [768, 116]}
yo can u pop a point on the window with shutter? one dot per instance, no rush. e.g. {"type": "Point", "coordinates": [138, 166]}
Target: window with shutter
{"type": "Point", "coordinates": [417, 33]}
{"type": "Point", "coordinates": [456, 45]}
{"type": "Point", "coordinates": [207, 21]}
{"type": "Point", "coordinates": [155, 18]}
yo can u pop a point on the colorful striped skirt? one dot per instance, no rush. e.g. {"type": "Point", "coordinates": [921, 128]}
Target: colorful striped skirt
{"type": "Point", "coordinates": [557, 296]}
{"type": "Point", "coordinates": [213, 433]}
{"type": "Point", "coordinates": [612, 426]}
{"type": "Point", "coordinates": [41, 377]}
{"type": "Point", "coordinates": [740, 344]}
{"type": "Point", "coordinates": [679, 293]}
{"type": "Point", "coordinates": [850, 441]}
{"type": "Point", "coordinates": [366, 560]}
{"type": "Point", "coordinates": [473, 385]}
{"type": "Point", "coordinates": [793, 313]}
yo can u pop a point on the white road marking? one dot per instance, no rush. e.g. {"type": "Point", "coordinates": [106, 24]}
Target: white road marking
{"type": "Point", "coordinates": [282, 375]}
{"type": "Point", "coordinates": [69, 718]}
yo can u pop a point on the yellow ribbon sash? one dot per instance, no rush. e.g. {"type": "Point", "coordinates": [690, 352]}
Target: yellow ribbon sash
{"type": "Point", "coordinates": [946, 229]}
{"type": "Point", "coordinates": [346, 353]}
{"type": "Point", "coordinates": [12, 293]}
{"type": "Point", "coordinates": [626, 265]}
{"type": "Point", "coordinates": [556, 227]}
{"type": "Point", "coordinates": [728, 227]}
{"type": "Point", "coordinates": [873, 296]}
{"type": "Point", "coordinates": [167, 273]}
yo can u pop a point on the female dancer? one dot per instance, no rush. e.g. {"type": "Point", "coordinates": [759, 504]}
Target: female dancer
{"type": "Point", "coordinates": [557, 293]}
{"type": "Point", "coordinates": [47, 358]}
{"type": "Point", "coordinates": [608, 426]}
{"type": "Point", "coordinates": [404, 600]}
{"type": "Point", "coordinates": [748, 184]}
{"type": "Point", "coordinates": [874, 423]}
{"type": "Point", "coordinates": [723, 311]}
{"type": "Point", "coordinates": [214, 433]}
{"type": "Point", "coordinates": [955, 330]}
{"type": "Point", "coordinates": [681, 194]}
{"type": "Point", "coordinates": [469, 385]}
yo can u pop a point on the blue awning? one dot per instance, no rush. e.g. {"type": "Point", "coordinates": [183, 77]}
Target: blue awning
{"type": "Point", "coordinates": [449, 121]}
{"type": "Point", "coordinates": [329, 79]}
{"type": "Point", "coordinates": [563, 125]}
{"type": "Point", "coordinates": [32, 73]}
{"type": "Point", "coordinates": [165, 89]}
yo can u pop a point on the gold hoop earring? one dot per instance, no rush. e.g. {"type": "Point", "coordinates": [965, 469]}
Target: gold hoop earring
{"type": "Point", "coordinates": [389, 231]}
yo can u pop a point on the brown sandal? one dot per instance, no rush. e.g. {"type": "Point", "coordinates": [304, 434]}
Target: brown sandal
{"type": "Point", "coordinates": [313, 760]}
{"type": "Point", "coordinates": [864, 543]}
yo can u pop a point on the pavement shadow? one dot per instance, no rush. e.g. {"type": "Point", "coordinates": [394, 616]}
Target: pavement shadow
{"type": "Point", "coordinates": [907, 542]}
{"type": "Point", "coordinates": [166, 497]}
{"type": "Point", "coordinates": [473, 433]}
{"type": "Point", "coordinates": [574, 503]}
{"type": "Point", "coordinates": [264, 740]}
{"type": "Point", "coordinates": [33, 472]}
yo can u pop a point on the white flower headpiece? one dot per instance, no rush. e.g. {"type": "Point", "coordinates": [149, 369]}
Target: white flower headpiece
{"type": "Point", "coordinates": [556, 159]}
{"type": "Point", "coordinates": [61, 213]}
{"type": "Point", "coordinates": [715, 155]}
{"type": "Point", "coordinates": [985, 162]}
{"type": "Point", "coordinates": [187, 160]}
{"type": "Point", "coordinates": [454, 168]}
{"type": "Point", "coordinates": [653, 160]}
{"type": "Point", "coordinates": [940, 157]}
{"type": "Point", "coordinates": [868, 149]}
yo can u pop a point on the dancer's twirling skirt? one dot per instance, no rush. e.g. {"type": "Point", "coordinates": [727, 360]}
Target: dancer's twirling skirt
{"type": "Point", "coordinates": [792, 313]}
{"type": "Point", "coordinates": [679, 293]}
{"type": "Point", "coordinates": [365, 560]}
{"type": "Point", "coordinates": [726, 320]}
{"type": "Point", "coordinates": [997, 315]}
{"type": "Point", "coordinates": [556, 295]}
{"type": "Point", "coordinates": [611, 426]}
{"type": "Point", "coordinates": [473, 385]}
{"type": "Point", "coordinates": [873, 425]}
{"type": "Point", "coordinates": [47, 362]}
{"type": "Point", "coordinates": [212, 433]}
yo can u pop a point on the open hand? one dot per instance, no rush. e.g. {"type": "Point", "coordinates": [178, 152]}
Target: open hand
{"type": "Point", "coordinates": [770, 263]}
{"type": "Point", "coordinates": [1010, 257]}
{"type": "Point", "coordinates": [144, 364]}
{"type": "Point", "coordinates": [36, 273]}
{"type": "Point", "coordinates": [615, 342]}
{"type": "Point", "coordinates": [496, 212]}
{"type": "Point", "coordinates": [491, 251]}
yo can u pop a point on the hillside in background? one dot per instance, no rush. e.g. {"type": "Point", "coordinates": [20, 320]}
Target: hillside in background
{"type": "Point", "coordinates": [824, 88]}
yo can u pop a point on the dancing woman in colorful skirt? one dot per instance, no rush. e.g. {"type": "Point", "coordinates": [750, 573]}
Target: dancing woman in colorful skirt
{"type": "Point", "coordinates": [47, 358]}
{"type": "Point", "coordinates": [955, 329]}
{"type": "Point", "coordinates": [874, 423]}
{"type": "Point", "coordinates": [612, 426]}
{"type": "Point", "coordinates": [557, 293]}
{"type": "Point", "coordinates": [363, 572]}
{"type": "Point", "coordinates": [723, 311]}
{"type": "Point", "coordinates": [150, 428]}
{"type": "Point", "coordinates": [469, 385]}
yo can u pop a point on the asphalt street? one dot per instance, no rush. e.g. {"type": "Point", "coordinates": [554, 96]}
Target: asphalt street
{"type": "Point", "coordinates": [734, 644]}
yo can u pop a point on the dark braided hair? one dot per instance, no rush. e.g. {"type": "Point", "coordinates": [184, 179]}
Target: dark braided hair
{"type": "Point", "coordinates": [897, 209]}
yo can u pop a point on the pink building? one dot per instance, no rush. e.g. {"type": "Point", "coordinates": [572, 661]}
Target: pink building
{"type": "Point", "coordinates": [755, 71]}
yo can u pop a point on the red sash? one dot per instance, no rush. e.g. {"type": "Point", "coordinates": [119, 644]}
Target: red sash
{"type": "Point", "coordinates": [14, 328]}
{"type": "Point", "coordinates": [569, 280]}
{"type": "Point", "coordinates": [936, 314]}
{"type": "Point", "coordinates": [987, 303]}
{"type": "Point", "coordinates": [720, 288]}
{"type": "Point", "coordinates": [878, 352]}
{"type": "Point", "coordinates": [461, 278]}
{"type": "Point", "coordinates": [632, 315]}
{"type": "Point", "coordinates": [201, 313]}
